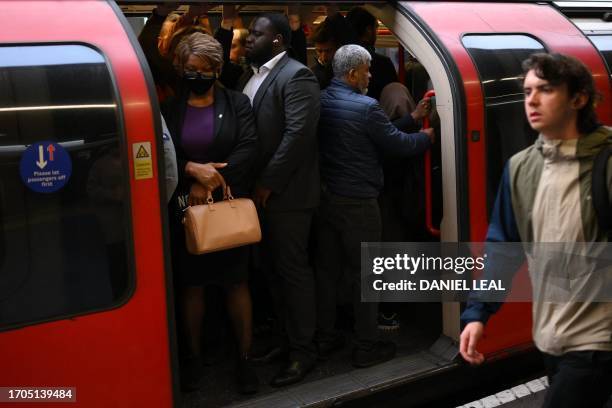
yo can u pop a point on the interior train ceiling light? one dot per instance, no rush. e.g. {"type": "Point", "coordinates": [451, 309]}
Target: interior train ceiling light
{"type": "Point", "coordinates": [57, 107]}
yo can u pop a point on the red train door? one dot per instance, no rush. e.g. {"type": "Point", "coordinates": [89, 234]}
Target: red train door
{"type": "Point", "coordinates": [487, 42]}
{"type": "Point", "coordinates": [83, 282]}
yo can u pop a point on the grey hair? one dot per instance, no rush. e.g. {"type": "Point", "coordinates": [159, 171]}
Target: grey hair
{"type": "Point", "coordinates": [349, 57]}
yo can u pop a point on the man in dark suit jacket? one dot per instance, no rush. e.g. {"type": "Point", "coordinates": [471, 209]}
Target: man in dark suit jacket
{"type": "Point", "coordinates": [365, 27]}
{"type": "Point", "coordinates": [285, 98]}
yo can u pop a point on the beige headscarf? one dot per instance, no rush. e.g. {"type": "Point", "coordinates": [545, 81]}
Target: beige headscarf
{"type": "Point", "coordinates": [396, 101]}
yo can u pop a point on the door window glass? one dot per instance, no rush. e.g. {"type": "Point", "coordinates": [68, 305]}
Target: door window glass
{"type": "Point", "coordinates": [62, 252]}
{"type": "Point", "coordinates": [604, 45]}
{"type": "Point", "coordinates": [498, 59]}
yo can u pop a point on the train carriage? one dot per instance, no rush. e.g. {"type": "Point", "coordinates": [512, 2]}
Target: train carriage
{"type": "Point", "coordinates": [86, 297]}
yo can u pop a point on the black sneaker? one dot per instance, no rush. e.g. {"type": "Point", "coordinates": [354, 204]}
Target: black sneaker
{"type": "Point", "coordinates": [246, 378]}
{"type": "Point", "coordinates": [388, 321]}
{"type": "Point", "coordinates": [191, 373]}
{"type": "Point", "coordinates": [379, 352]}
{"type": "Point", "coordinates": [325, 348]}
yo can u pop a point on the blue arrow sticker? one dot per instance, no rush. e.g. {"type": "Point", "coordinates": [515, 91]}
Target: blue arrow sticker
{"type": "Point", "coordinates": [45, 167]}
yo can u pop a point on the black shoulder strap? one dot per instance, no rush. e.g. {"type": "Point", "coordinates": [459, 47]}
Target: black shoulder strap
{"type": "Point", "coordinates": [600, 193]}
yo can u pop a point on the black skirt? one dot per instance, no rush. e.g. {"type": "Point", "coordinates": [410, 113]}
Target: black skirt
{"type": "Point", "coordinates": [223, 268]}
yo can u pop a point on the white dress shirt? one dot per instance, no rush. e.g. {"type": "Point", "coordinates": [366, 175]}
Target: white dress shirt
{"type": "Point", "coordinates": [259, 75]}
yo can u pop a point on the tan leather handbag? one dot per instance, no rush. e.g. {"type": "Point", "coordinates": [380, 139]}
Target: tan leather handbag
{"type": "Point", "coordinates": [226, 224]}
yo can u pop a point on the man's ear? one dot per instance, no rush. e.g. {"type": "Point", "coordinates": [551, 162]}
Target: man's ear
{"type": "Point", "coordinates": [351, 75]}
{"type": "Point", "coordinates": [349, 78]}
{"type": "Point", "coordinates": [579, 100]}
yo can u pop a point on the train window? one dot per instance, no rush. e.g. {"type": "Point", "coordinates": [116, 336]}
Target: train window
{"type": "Point", "coordinates": [604, 45]}
{"type": "Point", "coordinates": [62, 252]}
{"type": "Point", "coordinates": [498, 60]}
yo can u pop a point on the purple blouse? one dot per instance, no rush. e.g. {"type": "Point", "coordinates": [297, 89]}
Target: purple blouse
{"type": "Point", "coordinates": [198, 131]}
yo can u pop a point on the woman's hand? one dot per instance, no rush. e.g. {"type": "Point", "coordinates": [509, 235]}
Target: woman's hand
{"type": "Point", "coordinates": [422, 109]}
{"type": "Point", "coordinates": [166, 8]}
{"type": "Point", "coordinates": [206, 174]}
{"type": "Point", "coordinates": [198, 10]}
{"type": "Point", "coordinates": [198, 194]}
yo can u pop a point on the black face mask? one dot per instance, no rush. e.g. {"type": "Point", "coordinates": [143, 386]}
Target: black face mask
{"type": "Point", "coordinates": [197, 83]}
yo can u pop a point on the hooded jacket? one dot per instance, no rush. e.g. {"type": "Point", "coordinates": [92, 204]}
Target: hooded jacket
{"type": "Point", "coordinates": [545, 197]}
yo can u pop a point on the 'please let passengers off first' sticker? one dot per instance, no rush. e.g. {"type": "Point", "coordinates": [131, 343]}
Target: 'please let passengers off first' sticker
{"type": "Point", "coordinates": [45, 167]}
{"type": "Point", "coordinates": [143, 163]}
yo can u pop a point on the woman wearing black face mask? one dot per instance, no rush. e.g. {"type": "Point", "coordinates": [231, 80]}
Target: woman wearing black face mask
{"type": "Point", "coordinates": [214, 135]}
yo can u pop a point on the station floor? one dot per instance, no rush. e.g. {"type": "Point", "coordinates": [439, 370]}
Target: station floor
{"type": "Point", "coordinates": [532, 400]}
{"type": "Point", "coordinates": [528, 395]}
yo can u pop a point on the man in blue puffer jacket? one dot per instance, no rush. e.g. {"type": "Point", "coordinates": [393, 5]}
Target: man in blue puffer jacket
{"type": "Point", "coordinates": [354, 132]}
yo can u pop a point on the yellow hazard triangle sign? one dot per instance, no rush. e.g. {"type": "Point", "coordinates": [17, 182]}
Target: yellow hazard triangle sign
{"type": "Point", "coordinates": [142, 153]}
{"type": "Point", "coordinates": [143, 163]}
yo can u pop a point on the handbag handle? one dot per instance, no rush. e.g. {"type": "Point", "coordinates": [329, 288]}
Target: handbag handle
{"type": "Point", "coordinates": [209, 202]}
{"type": "Point", "coordinates": [227, 194]}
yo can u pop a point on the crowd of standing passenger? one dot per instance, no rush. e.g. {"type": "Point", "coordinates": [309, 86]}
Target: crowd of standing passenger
{"type": "Point", "coordinates": [243, 111]}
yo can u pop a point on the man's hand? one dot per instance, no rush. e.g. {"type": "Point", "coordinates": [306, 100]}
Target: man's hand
{"type": "Point", "coordinates": [430, 134]}
{"type": "Point", "coordinates": [422, 109]}
{"type": "Point", "coordinates": [469, 339]}
{"type": "Point", "coordinates": [261, 196]}
{"type": "Point", "coordinates": [229, 13]}
{"type": "Point", "coordinates": [206, 174]}
{"type": "Point", "coordinates": [198, 194]}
